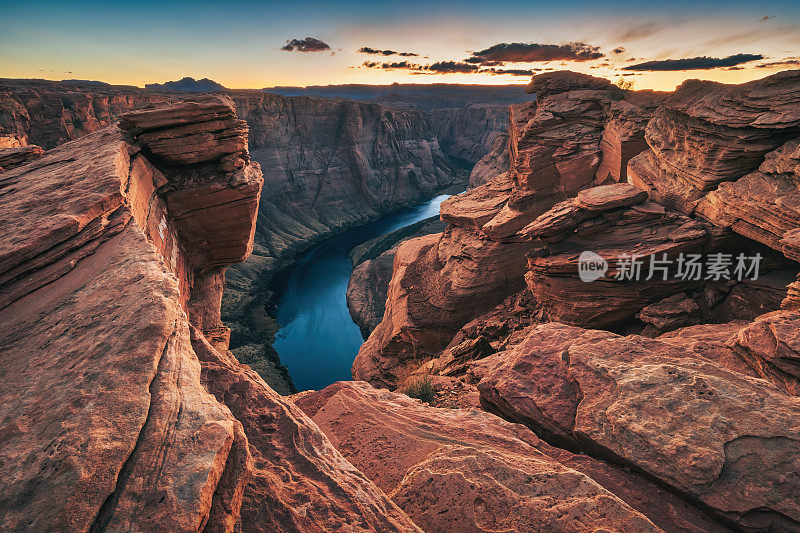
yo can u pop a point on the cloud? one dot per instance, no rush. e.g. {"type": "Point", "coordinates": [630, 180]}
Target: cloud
{"type": "Point", "coordinates": [786, 62]}
{"type": "Point", "coordinates": [764, 19]}
{"type": "Point", "coordinates": [619, 50]}
{"type": "Point", "coordinates": [695, 63]}
{"type": "Point", "coordinates": [530, 52]}
{"type": "Point", "coordinates": [448, 67]}
{"type": "Point", "coordinates": [373, 51]}
{"type": "Point", "coordinates": [512, 71]}
{"type": "Point", "coordinates": [633, 32]}
{"type": "Point", "coordinates": [309, 44]}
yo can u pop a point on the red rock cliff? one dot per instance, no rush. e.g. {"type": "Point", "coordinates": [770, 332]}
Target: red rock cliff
{"type": "Point", "coordinates": [124, 409]}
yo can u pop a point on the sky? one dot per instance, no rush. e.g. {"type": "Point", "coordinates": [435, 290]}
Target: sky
{"type": "Point", "coordinates": [654, 45]}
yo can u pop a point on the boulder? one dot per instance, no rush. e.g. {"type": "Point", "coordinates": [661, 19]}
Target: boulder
{"type": "Point", "coordinates": [721, 438]}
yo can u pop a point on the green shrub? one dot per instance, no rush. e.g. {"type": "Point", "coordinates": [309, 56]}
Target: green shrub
{"type": "Point", "coordinates": [422, 389]}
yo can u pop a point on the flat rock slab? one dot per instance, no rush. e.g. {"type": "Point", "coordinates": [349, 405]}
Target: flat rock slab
{"type": "Point", "coordinates": [611, 196]}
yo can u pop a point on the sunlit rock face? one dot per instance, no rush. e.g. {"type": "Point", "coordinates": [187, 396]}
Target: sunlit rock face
{"type": "Point", "coordinates": [125, 409]}
{"type": "Point", "coordinates": [556, 144]}
{"type": "Point", "coordinates": [689, 419]}
{"type": "Point", "coordinates": [464, 470]}
{"type": "Point", "coordinates": [708, 133]}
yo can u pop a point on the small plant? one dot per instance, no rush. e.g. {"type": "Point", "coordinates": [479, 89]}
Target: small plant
{"type": "Point", "coordinates": [422, 389]}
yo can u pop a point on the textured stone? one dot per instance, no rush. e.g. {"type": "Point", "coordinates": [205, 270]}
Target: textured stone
{"type": "Point", "coordinates": [462, 470]}
{"type": "Point", "coordinates": [674, 312]}
{"type": "Point", "coordinates": [615, 234]}
{"type": "Point", "coordinates": [707, 133]}
{"type": "Point", "coordinates": [772, 348]}
{"type": "Point", "coordinates": [608, 197]}
{"type": "Point", "coordinates": [700, 428]}
{"type": "Point", "coordinates": [764, 205]}
{"type": "Point", "coordinates": [110, 425]}
{"type": "Point", "coordinates": [300, 482]}
{"type": "Point", "coordinates": [14, 157]}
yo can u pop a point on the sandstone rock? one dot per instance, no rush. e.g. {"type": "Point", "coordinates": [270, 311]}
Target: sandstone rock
{"type": "Point", "coordinates": [14, 157]}
{"type": "Point", "coordinates": [469, 133]}
{"type": "Point", "coordinates": [751, 298]}
{"type": "Point", "coordinates": [614, 234]}
{"type": "Point", "coordinates": [671, 313]}
{"type": "Point", "coordinates": [770, 345]}
{"type": "Point", "coordinates": [438, 284]}
{"type": "Point", "coordinates": [543, 85]}
{"type": "Point", "coordinates": [714, 342]}
{"type": "Point", "coordinates": [300, 482]}
{"type": "Point", "coordinates": [735, 124]}
{"type": "Point", "coordinates": [792, 300]}
{"type": "Point", "coordinates": [462, 470]}
{"type": "Point", "coordinates": [474, 208]}
{"type": "Point", "coordinates": [49, 113]}
{"type": "Point", "coordinates": [608, 197]}
{"type": "Point", "coordinates": [717, 436]}
{"type": "Point", "coordinates": [494, 163]}
{"type": "Point", "coordinates": [764, 205]}
{"type": "Point", "coordinates": [111, 427]}
{"type": "Point", "coordinates": [197, 130]}
{"type": "Point", "coordinates": [623, 135]}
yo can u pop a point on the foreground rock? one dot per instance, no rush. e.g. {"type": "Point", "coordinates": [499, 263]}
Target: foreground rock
{"type": "Point", "coordinates": [110, 285]}
{"type": "Point", "coordinates": [690, 422]}
{"type": "Point", "coordinates": [459, 470]}
{"type": "Point", "coordinates": [110, 427]}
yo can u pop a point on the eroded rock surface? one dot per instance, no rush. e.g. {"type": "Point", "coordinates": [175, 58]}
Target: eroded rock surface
{"type": "Point", "coordinates": [688, 421]}
{"type": "Point", "coordinates": [463, 470]}
{"type": "Point", "coordinates": [110, 286]}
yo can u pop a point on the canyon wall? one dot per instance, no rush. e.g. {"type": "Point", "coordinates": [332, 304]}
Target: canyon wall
{"type": "Point", "coordinates": [123, 408]}
{"type": "Point", "coordinates": [328, 164]}
{"type": "Point", "coordinates": [689, 383]}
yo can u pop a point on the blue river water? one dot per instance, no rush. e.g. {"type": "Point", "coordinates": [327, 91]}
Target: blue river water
{"type": "Point", "coordinates": [317, 339]}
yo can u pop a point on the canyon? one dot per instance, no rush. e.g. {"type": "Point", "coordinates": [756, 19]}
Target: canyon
{"type": "Point", "coordinates": [329, 164]}
{"type": "Point", "coordinates": [500, 390]}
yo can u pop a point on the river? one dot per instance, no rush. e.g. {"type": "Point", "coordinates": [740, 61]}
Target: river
{"type": "Point", "coordinates": [317, 339]}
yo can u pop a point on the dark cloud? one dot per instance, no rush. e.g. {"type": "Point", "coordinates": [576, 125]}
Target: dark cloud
{"type": "Point", "coordinates": [392, 66]}
{"type": "Point", "coordinates": [373, 51]}
{"type": "Point", "coordinates": [764, 19]}
{"type": "Point", "coordinates": [448, 67]}
{"type": "Point", "coordinates": [619, 50]}
{"type": "Point", "coordinates": [695, 63]}
{"type": "Point", "coordinates": [530, 52]}
{"type": "Point", "coordinates": [309, 44]}
{"type": "Point", "coordinates": [511, 71]}
{"type": "Point", "coordinates": [786, 62]}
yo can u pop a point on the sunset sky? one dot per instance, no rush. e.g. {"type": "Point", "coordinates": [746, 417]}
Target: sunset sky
{"type": "Point", "coordinates": [241, 44]}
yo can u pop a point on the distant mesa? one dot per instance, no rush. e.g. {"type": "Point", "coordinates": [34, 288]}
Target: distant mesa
{"type": "Point", "coordinates": [189, 85]}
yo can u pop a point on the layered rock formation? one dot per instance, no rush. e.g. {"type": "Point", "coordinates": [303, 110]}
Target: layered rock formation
{"type": "Point", "coordinates": [465, 470]}
{"type": "Point", "coordinates": [110, 283]}
{"type": "Point", "coordinates": [469, 133]}
{"type": "Point", "coordinates": [687, 421]}
{"type": "Point", "coordinates": [700, 404]}
{"type": "Point", "coordinates": [736, 126]}
{"type": "Point", "coordinates": [439, 284]}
